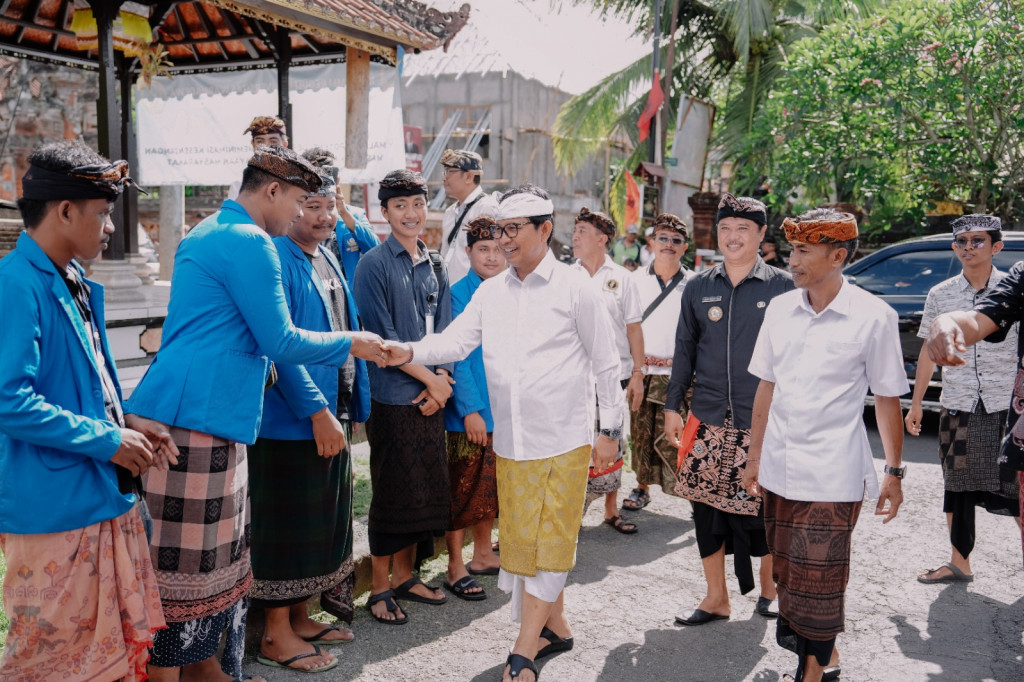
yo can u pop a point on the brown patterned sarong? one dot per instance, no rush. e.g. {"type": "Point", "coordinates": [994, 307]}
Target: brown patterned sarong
{"type": "Point", "coordinates": [712, 472]}
{"type": "Point", "coordinates": [654, 458]}
{"type": "Point", "coordinates": [474, 483]}
{"type": "Point", "coordinates": [83, 604]}
{"type": "Point", "coordinates": [200, 509]}
{"type": "Point", "coordinates": [810, 546]}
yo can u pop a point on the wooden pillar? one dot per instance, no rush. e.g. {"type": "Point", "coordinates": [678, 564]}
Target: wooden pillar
{"type": "Point", "coordinates": [130, 198]}
{"type": "Point", "coordinates": [357, 107]}
{"type": "Point", "coordinates": [704, 205]}
{"type": "Point", "coordinates": [284, 62]}
{"type": "Point", "coordinates": [107, 110]}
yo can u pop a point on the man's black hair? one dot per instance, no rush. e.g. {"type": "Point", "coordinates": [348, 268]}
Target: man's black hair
{"type": "Point", "coordinates": [254, 179]}
{"type": "Point", "coordinates": [60, 157]}
{"type": "Point", "coordinates": [832, 214]}
{"type": "Point", "coordinates": [537, 220]}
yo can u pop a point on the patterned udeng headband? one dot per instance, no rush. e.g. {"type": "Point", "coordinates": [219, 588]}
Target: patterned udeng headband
{"type": "Point", "coordinates": [842, 229]}
{"type": "Point", "coordinates": [96, 181]}
{"type": "Point", "coordinates": [976, 222]}
{"type": "Point", "coordinates": [598, 220]}
{"type": "Point", "coordinates": [742, 207]}
{"type": "Point", "coordinates": [266, 125]}
{"type": "Point", "coordinates": [292, 169]}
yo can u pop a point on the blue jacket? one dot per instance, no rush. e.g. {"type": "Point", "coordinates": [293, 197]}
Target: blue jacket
{"type": "Point", "coordinates": [226, 316]}
{"type": "Point", "coordinates": [55, 439]}
{"type": "Point", "coordinates": [302, 390]}
{"type": "Point", "coordinates": [351, 245]}
{"type": "Point", "coordinates": [469, 394]}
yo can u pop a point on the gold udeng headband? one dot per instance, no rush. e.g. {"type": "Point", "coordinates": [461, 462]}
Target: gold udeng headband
{"type": "Point", "coordinates": [843, 229]}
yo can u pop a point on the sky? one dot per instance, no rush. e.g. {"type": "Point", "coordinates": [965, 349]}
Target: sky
{"type": "Point", "coordinates": [572, 48]}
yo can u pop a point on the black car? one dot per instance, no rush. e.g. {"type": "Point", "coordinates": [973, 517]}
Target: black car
{"type": "Point", "coordinates": [901, 275]}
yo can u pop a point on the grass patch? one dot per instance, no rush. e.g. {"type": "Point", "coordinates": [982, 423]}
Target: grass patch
{"type": "Point", "coordinates": [361, 492]}
{"type": "Point", "coordinates": [3, 616]}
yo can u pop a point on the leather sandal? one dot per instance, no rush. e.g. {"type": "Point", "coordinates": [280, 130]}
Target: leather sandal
{"type": "Point", "coordinates": [388, 597]}
{"type": "Point", "coordinates": [621, 525]}
{"type": "Point", "coordinates": [517, 663]}
{"type": "Point", "coordinates": [637, 500]}
{"type": "Point", "coordinates": [557, 644]}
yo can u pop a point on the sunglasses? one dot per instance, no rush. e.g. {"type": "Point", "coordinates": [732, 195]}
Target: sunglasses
{"type": "Point", "coordinates": [675, 241]}
{"type": "Point", "coordinates": [975, 242]}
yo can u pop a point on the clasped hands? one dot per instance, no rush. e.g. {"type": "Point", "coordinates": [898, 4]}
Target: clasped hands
{"type": "Point", "coordinates": [373, 348]}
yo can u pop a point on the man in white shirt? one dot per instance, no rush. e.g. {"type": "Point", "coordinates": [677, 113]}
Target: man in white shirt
{"type": "Point", "coordinates": [660, 288]}
{"type": "Point", "coordinates": [462, 174]}
{"type": "Point", "coordinates": [590, 239]}
{"type": "Point", "coordinates": [975, 398]}
{"type": "Point", "coordinates": [545, 336]}
{"type": "Point", "coordinates": [819, 350]}
{"type": "Point", "coordinates": [648, 250]}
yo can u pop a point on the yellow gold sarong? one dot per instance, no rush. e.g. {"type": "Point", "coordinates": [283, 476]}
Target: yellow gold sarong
{"type": "Point", "coordinates": [541, 503]}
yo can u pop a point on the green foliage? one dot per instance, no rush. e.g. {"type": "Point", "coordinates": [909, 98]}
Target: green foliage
{"type": "Point", "coordinates": [920, 103]}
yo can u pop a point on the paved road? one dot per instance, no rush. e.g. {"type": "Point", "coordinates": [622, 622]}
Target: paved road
{"type": "Point", "coordinates": [625, 591]}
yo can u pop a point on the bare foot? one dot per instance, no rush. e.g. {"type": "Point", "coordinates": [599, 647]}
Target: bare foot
{"type": "Point", "coordinates": [718, 607]}
{"type": "Point", "coordinates": [307, 628]}
{"type": "Point", "coordinates": [283, 648]}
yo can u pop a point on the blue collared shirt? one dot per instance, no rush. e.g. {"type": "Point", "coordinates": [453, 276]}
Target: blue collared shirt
{"type": "Point", "coordinates": [469, 394]}
{"type": "Point", "coordinates": [394, 297]}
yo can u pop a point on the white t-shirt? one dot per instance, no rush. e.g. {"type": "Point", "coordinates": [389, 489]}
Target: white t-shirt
{"type": "Point", "coordinates": [815, 446]}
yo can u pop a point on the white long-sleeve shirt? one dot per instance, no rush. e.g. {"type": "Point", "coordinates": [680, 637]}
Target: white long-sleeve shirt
{"type": "Point", "coordinates": [544, 339]}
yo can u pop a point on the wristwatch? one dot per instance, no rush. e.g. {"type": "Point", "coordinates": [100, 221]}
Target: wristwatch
{"type": "Point", "coordinates": [614, 434]}
{"type": "Point", "coordinates": [898, 472]}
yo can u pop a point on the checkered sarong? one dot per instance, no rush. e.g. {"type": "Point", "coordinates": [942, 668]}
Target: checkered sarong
{"type": "Point", "coordinates": [200, 508]}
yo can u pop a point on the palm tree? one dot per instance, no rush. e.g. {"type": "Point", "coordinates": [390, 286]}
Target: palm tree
{"type": "Point", "coordinates": [730, 51]}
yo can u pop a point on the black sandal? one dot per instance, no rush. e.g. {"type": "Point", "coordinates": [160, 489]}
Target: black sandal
{"type": "Point", "coordinates": [624, 527]}
{"type": "Point", "coordinates": [404, 591]}
{"type": "Point", "coordinates": [387, 596]}
{"type": "Point", "coordinates": [557, 644]}
{"type": "Point", "coordinates": [517, 663]}
{"type": "Point", "coordinates": [637, 500]}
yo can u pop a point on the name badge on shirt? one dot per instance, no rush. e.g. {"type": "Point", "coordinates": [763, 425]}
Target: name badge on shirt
{"type": "Point", "coordinates": [429, 324]}
{"type": "Point", "coordinates": [711, 299]}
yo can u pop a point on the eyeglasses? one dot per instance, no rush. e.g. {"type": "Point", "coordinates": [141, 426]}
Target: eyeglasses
{"type": "Point", "coordinates": [450, 171]}
{"type": "Point", "coordinates": [675, 241]}
{"type": "Point", "coordinates": [511, 230]}
{"type": "Point", "coordinates": [976, 242]}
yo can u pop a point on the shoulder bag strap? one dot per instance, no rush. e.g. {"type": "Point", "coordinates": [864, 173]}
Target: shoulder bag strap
{"type": "Point", "coordinates": [458, 223]}
{"type": "Point", "coordinates": [663, 295]}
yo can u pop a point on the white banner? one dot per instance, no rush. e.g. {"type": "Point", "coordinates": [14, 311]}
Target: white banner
{"type": "Point", "coordinates": [190, 126]}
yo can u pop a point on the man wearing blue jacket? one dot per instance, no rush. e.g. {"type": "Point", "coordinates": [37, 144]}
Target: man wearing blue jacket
{"type": "Point", "coordinates": [70, 511]}
{"type": "Point", "coordinates": [226, 321]}
{"type": "Point", "coordinates": [300, 467]}
{"type": "Point", "coordinates": [352, 235]}
{"type": "Point", "coordinates": [468, 421]}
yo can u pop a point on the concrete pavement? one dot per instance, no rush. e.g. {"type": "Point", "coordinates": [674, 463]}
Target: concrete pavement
{"type": "Point", "coordinates": [625, 591]}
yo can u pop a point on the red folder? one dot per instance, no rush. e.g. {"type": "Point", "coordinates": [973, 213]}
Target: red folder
{"type": "Point", "coordinates": [686, 440]}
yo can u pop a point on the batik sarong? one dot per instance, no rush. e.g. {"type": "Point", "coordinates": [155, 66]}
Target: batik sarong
{"type": "Point", "coordinates": [83, 604]}
{"type": "Point", "coordinates": [411, 502]}
{"type": "Point", "coordinates": [969, 445]}
{"type": "Point", "coordinates": [712, 472]}
{"type": "Point", "coordinates": [200, 546]}
{"type": "Point", "coordinates": [541, 502]}
{"type": "Point", "coordinates": [301, 520]}
{"type": "Point", "coordinates": [654, 457]}
{"type": "Point", "coordinates": [474, 485]}
{"type": "Point", "coordinates": [810, 546]}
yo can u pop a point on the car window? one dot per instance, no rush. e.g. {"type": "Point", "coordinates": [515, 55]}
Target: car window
{"type": "Point", "coordinates": [1005, 259]}
{"type": "Point", "coordinates": [906, 274]}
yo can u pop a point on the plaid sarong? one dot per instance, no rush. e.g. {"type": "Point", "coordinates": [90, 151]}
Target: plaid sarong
{"type": "Point", "coordinates": [810, 546]}
{"type": "Point", "coordinates": [83, 604]}
{"type": "Point", "coordinates": [200, 509]}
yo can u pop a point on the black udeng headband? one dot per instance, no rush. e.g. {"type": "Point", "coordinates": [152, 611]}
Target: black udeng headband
{"type": "Point", "coordinates": [96, 181]}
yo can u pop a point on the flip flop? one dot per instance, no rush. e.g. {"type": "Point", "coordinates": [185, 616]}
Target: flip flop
{"type": "Point", "coordinates": [265, 660]}
{"type": "Point", "coordinates": [637, 500]}
{"type": "Point", "coordinates": [459, 589]}
{"type": "Point", "coordinates": [404, 591]}
{"type": "Point", "coordinates": [482, 571]}
{"type": "Point", "coordinates": [318, 638]}
{"type": "Point", "coordinates": [831, 673]}
{"type": "Point", "coordinates": [956, 575]}
{"type": "Point", "coordinates": [387, 596]}
{"type": "Point", "coordinates": [624, 527]}
{"type": "Point", "coordinates": [517, 663]}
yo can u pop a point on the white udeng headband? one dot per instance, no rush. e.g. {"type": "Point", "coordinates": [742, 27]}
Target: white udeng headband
{"type": "Point", "coordinates": [524, 205]}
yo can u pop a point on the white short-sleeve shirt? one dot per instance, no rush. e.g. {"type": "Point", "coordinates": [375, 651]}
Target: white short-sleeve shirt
{"type": "Point", "coordinates": [660, 325]}
{"type": "Point", "coordinates": [618, 291]}
{"type": "Point", "coordinates": [822, 364]}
